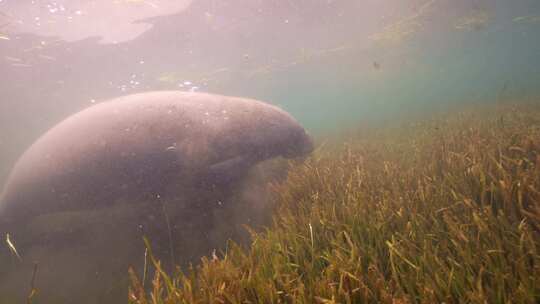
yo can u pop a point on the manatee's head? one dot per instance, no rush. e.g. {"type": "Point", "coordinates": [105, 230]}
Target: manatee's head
{"type": "Point", "coordinates": [283, 136]}
{"type": "Point", "coordinates": [297, 144]}
{"type": "Point", "coordinates": [258, 131]}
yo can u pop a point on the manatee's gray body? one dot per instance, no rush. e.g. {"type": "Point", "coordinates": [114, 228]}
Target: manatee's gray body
{"type": "Point", "coordinates": [80, 198]}
{"type": "Point", "coordinates": [148, 144]}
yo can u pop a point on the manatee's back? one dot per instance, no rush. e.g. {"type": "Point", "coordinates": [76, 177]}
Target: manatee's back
{"type": "Point", "coordinates": [138, 143]}
{"type": "Point", "coordinates": [100, 153]}
{"type": "Point", "coordinates": [132, 144]}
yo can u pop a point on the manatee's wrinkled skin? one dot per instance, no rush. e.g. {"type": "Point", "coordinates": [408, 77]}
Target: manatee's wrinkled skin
{"type": "Point", "coordinates": [157, 163]}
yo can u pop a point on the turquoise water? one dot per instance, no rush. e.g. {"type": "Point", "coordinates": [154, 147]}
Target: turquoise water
{"type": "Point", "coordinates": [437, 65]}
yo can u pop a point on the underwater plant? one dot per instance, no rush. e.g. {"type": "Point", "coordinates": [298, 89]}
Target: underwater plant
{"type": "Point", "coordinates": [444, 210]}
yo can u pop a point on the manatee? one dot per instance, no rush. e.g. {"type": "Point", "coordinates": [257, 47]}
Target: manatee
{"type": "Point", "coordinates": [80, 198]}
{"type": "Point", "coordinates": [151, 144]}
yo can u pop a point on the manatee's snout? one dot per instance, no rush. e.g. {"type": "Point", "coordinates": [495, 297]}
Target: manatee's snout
{"type": "Point", "coordinates": [301, 145]}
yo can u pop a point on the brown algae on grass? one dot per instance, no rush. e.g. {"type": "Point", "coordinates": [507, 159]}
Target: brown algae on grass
{"type": "Point", "coordinates": [446, 210]}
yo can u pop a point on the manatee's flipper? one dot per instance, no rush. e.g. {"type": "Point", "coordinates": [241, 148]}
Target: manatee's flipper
{"type": "Point", "coordinates": [228, 170]}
